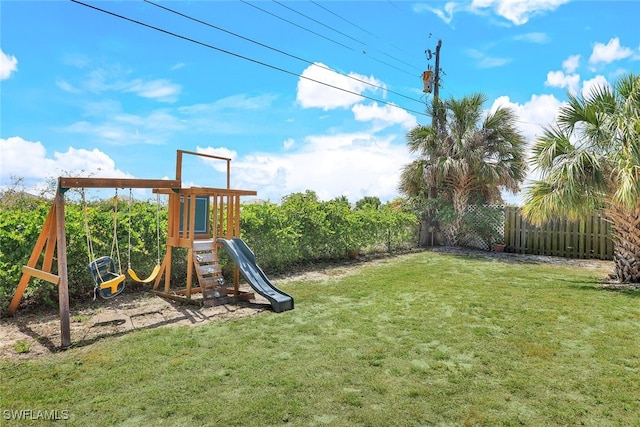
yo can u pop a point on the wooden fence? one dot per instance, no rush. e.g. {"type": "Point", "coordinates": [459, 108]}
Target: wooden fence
{"type": "Point", "coordinates": [590, 238]}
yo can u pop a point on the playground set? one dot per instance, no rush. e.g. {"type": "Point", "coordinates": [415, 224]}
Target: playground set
{"type": "Point", "coordinates": [200, 219]}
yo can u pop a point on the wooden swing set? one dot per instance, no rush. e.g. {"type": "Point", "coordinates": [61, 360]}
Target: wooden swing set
{"type": "Point", "coordinates": [197, 216]}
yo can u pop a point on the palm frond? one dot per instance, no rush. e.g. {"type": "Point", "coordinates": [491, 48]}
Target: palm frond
{"type": "Point", "coordinates": [627, 193]}
{"type": "Point", "coordinates": [552, 145]}
{"type": "Point", "coordinates": [411, 178]}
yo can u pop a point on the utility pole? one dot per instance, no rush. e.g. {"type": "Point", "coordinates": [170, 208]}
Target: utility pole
{"type": "Point", "coordinates": [429, 226]}
{"type": "Point", "coordinates": [436, 77]}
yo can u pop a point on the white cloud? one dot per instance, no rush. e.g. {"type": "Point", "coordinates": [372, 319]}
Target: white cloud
{"type": "Point", "coordinates": [607, 53]}
{"type": "Point", "coordinates": [446, 13]}
{"type": "Point", "coordinates": [520, 11]}
{"type": "Point", "coordinates": [114, 127]}
{"type": "Point", "coordinates": [116, 78]}
{"type": "Point", "coordinates": [234, 102]}
{"type": "Point", "coordinates": [23, 158]}
{"type": "Point", "coordinates": [312, 94]}
{"type": "Point", "coordinates": [562, 80]}
{"type": "Point", "coordinates": [160, 89]}
{"type": "Point", "coordinates": [90, 162]}
{"type": "Point", "coordinates": [288, 143]}
{"type": "Point", "coordinates": [8, 64]}
{"type": "Point", "coordinates": [517, 12]}
{"type": "Point", "coordinates": [352, 164]}
{"type": "Point", "coordinates": [226, 115]}
{"type": "Point", "coordinates": [538, 112]}
{"type": "Point", "coordinates": [571, 64]}
{"type": "Point", "coordinates": [29, 160]}
{"type": "Point", "coordinates": [384, 116]}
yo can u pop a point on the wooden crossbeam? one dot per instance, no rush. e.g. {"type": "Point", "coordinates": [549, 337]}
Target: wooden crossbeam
{"type": "Point", "coordinates": [210, 191]}
{"type": "Point", "coordinates": [34, 272]}
{"type": "Point", "coordinates": [71, 182]}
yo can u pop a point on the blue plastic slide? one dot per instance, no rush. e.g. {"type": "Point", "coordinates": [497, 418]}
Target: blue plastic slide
{"type": "Point", "coordinates": [246, 262]}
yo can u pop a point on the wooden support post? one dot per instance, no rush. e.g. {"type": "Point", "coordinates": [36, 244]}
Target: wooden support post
{"type": "Point", "coordinates": [236, 233]}
{"type": "Point", "coordinates": [33, 259]}
{"type": "Point", "coordinates": [189, 272]}
{"type": "Point", "coordinates": [236, 221]}
{"type": "Point", "coordinates": [214, 218]}
{"type": "Point", "coordinates": [167, 270]}
{"type": "Point", "coordinates": [221, 218]}
{"type": "Point", "coordinates": [51, 245]}
{"type": "Point", "coordinates": [189, 232]}
{"type": "Point", "coordinates": [63, 286]}
{"type": "Point", "coordinates": [230, 231]}
{"type": "Point", "coordinates": [179, 165]}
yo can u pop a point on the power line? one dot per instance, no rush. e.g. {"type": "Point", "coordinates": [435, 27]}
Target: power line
{"type": "Point", "coordinates": [276, 50]}
{"type": "Point", "coordinates": [317, 22]}
{"type": "Point", "coordinates": [341, 17]}
{"type": "Point", "coordinates": [240, 56]}
{"type": "Point", "coordinates": [320, 35]}
{"type": "Point", "coordinates": [368, 32]}
{"type": "Point", "coordinates": [299, 26]}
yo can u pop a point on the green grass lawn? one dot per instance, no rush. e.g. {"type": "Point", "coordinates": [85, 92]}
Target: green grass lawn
{"type": "Point", "coordinates": [424, 339]}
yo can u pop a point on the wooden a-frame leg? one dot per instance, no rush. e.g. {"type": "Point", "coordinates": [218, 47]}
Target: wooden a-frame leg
{"type": "Point", "coordinates": [33, 259]}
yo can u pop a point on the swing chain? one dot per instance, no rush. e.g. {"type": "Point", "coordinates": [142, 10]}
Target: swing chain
{"type": "Point", "coordinates": [114, 242]}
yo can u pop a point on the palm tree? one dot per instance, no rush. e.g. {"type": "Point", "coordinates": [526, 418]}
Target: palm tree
{"type": "Point", "coordinates": [590, 159]}
{"type": "Point", "coordinates": [463, 157]}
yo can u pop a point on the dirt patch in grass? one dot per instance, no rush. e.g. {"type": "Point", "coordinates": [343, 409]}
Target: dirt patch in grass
{"type": "Point", "coordinates": [34, 333]}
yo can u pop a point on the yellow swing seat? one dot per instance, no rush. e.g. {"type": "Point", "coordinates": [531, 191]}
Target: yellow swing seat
{"type": "Point", "coordinates": [107, 280]}
{"type": "Point", "coordinates": [149, 279]}
{"type": "Point", "coordinates": [113, 284]}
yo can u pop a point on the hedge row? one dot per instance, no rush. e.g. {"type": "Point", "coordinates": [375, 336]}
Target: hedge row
{"type": "Point", "coordinates": [303, 229]}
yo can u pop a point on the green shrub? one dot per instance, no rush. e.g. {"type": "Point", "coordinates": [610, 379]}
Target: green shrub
{"type": "Point", "coordinates": [303, 229]}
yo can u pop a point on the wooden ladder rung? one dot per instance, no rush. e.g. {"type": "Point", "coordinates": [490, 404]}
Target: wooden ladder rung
{"type": "Point", "coordinates": [203, 245]}
{"type": "Point", "coordinates": [208, 269]}
{"type": "Point", "coordinates": [209, 282]}
{"type": "Point", "coordinates": [206, 257]}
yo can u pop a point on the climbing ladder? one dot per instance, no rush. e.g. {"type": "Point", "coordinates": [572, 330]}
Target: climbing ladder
{"type": "Point", "coordinates": [205, 261]}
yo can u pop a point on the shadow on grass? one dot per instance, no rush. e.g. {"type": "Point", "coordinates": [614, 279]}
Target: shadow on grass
{"type": "Point", "coordinates": [188, 313]}
{"type": "Point", "coordinates": [507, 257]}
{"type": "Point", "coordinates": [630, 290]}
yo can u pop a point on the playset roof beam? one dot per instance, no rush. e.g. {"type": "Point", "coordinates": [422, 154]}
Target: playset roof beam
{"type": "Point", "coordinates": [65, 183]}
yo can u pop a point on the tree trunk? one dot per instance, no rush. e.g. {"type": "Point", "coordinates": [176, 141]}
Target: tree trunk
{"type": "Point", "coordinates": [460, 201]}
{"type": "Point", "coordinates": [626, 241]}
{"type": "Point", "coordinates": [424, 233]}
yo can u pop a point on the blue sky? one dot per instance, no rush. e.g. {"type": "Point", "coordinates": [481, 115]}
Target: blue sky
{"type": "Point", "coordinates": [87, 93]}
